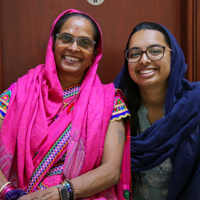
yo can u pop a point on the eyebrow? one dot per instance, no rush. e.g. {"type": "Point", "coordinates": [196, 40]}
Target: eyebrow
{"type": "Point", "coordinates": [78, 37]}
{"type": "Point", "coordinates": [147, 46]}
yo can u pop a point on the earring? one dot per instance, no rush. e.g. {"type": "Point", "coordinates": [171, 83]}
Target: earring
{"type": "Point", "coordinates": [90, 64]}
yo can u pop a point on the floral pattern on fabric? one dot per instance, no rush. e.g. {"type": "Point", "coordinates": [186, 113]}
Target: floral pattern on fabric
{"type": "Point", "coordinates": [41, 186]}
{"type": "Point", "coordinates": [71, 91]}
{"type": "Point", "coordinates": [120, 109]}
{"type": "Point", "coordinates": [56, 169]}
{"type": "Point", "coordinates": [4, 101]}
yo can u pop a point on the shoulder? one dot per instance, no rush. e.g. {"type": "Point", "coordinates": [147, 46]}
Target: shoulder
{"type": "Point", "coordinates": [120, 109]}
{"type": "Point", "coordinates": [5, 99]}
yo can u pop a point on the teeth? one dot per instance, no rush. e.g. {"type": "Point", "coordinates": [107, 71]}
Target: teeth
{"type": "Point", "coordinates": [72, 58]}
{"type": "Point", "coordinates": [146, 71]}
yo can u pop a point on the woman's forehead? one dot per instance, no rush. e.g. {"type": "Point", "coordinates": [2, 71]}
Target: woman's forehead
{"type": "Point", "coordinates": [76, 21]}
{"type": "Point", "coordinates": [146, 37]}
{"type": "Point", "coordinates": [78, 26]}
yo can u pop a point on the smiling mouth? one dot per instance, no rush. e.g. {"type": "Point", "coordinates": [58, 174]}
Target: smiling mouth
{"type": "Point", "coordinates": [72, 58]}
{"type": "Point", "coordinates": [147, 71]}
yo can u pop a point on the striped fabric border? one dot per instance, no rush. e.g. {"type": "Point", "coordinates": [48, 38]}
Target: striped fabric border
{"type": "Point", "coordinates": [48, 160]}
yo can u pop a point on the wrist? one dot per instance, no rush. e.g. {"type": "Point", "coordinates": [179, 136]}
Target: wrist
{"type": "Point", "coordinates": [68, 185]}
{"type": "Point", "coordinates": [10, 192]}
{"type": "Point", "coordinates": [6, 188]}
{"type": "Point", "coordinates": [63, 193]}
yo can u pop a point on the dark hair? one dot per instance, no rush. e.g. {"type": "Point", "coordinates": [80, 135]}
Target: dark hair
{"type": "Point", "coordinates": [66, 16]}
{"type": "Point", "coordinates": [130, 88]}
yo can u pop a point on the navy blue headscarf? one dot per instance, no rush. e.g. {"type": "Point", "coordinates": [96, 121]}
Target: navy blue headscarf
{"type": "Point", "coordinates": [177, 135]}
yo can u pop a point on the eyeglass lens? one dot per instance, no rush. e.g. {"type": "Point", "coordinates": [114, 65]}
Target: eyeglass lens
{"type": "Point", "coordinates": [66, 40]}
{"type": "Point", "coordinates": [153, 53]}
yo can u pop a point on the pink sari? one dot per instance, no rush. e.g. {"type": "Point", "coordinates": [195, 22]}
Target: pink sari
{"type": "Point", "coordinates": [36, 99]}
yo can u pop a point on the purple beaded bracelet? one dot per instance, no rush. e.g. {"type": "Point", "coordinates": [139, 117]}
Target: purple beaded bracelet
{"type": "Point", "coordinates": [68, 185]}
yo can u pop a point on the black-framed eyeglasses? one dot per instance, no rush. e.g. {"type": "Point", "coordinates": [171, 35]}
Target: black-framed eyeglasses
{"type": "Point", "coordinates": [67, 40]}
{"type": "Point", "coordinates": [154, 52]}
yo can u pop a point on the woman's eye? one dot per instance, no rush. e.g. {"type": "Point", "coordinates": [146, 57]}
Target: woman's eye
{"type": "Point", "coordinates": [65, 38]}
{"type": "Point", "coordinates": [85, 42]}
{"type": "Point", "coordinates": [155, 51]}
{"type": "Point", "coordinates": [134, 54]}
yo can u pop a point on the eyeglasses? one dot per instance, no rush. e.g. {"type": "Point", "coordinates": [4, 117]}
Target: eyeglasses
{"type": "Point", "coordinates": [67, 40]}
{"type": "Point", "coordinates": [154, 52]}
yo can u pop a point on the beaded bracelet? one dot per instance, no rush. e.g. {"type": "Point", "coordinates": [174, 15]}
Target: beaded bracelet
{"type": "Point", "coordinates": [66, 185]}
{"type": "Point", "coordinates": [70, 188]}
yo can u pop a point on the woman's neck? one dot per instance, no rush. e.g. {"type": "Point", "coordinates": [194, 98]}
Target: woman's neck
{"type": "Point", "coordinates": [154, 100]}
{"type": "Point", "coordinates": [67, 81]}
{"type": "Point", "coordinates": [152, 97]}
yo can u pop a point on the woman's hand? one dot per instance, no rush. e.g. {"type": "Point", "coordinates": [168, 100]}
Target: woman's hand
{"type": "Point", "coordinates": [49, 193]}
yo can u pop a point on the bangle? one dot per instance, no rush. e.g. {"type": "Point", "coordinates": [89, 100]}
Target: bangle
{"type": "Point", "coordinates": [10, 192]}
{"type": "Point", "coordinates": [4, 186]}
{"type": "Point", "coordinates": [6, 189]}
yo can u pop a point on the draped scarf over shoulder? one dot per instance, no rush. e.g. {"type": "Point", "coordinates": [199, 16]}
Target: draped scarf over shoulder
{"type": "Point", "coordinates": [177, 135]}
{"type": "Point", "coordinates": [36, 99]}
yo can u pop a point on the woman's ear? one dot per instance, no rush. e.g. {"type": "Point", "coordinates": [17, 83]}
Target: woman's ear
{"type": "Point", "coordinates": [94, 54]}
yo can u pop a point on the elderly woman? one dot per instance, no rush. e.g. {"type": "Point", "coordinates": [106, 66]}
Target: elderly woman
{"type": "Point", "coordinates": [165, 117]}
{"type": "Point", "coordinates": [62, 131]}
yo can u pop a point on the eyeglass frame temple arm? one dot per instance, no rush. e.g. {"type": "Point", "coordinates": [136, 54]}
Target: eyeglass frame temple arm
{"type": "Point", "coordinates": [168, 48]}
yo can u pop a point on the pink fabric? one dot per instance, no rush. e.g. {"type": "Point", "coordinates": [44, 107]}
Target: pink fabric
{"type": "Point", "coordinates": [35, 100]}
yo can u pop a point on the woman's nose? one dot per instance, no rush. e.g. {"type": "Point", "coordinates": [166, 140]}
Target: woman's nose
{"type": "Point", "coordinates": [74, 46]}
{"type": "Point", "coordinates": [144, 58]}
